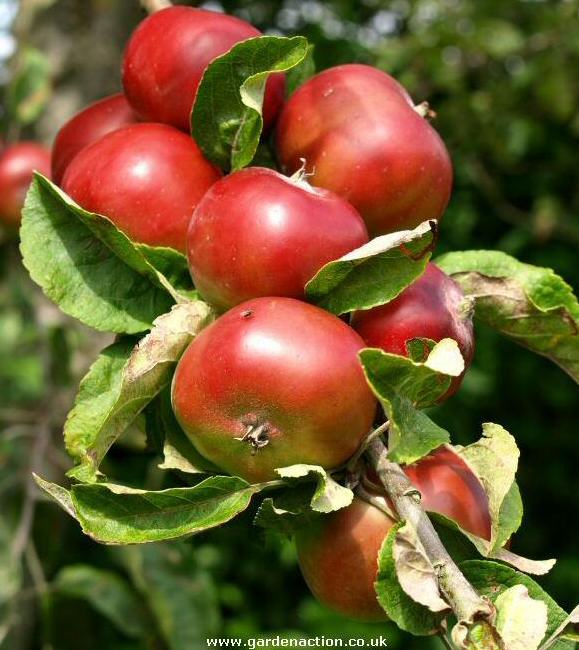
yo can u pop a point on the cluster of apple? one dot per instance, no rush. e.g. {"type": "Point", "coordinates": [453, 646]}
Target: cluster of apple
{"type": "Point", "coordinates": [276, 381]}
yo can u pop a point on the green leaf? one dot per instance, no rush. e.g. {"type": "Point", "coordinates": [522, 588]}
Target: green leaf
{"type": "Point", "coordinates": [405, 612]}
{"type": "Point", "coordinates": [116, 514]}
{"type": "Point", "coordinates": [564, 643]}
{"type": "Point", "coordinates": [108, 593]}
{"type": "Point", "coordinates": [529, 304]}
{"type": "Point", "coordinates": [87, 267]}
{"type": "Point", "coordinates": [565, 635]}
{"type": "Point", "coordinates": [328, 495]}
{"type": "Point", "coordinates": [300, 73]}
{"type": "Point", "coordinates": [97, 396]}
{"type": "Point", "coordinates": [375, 273]}
{"type": "Point", "coordinates": [421, 382]}
{"type": "Point", "coordinates": [479, 635]}
{"type": "Point", "coordinates": [494, 460]}
{"type": "Point", "coordinates": [29, 90]}
{"type": "Point", "coordinates": [403, 386]}
{"type": "Point", "coordinates": [122, 381]}
{"type": "Point", "coordinates": [288, 511]}
{"type": "Point", "coordinates": [463, 545]}
{"type": "Point", "coordinates": [313, 492]}
{"type": "Point", "coordinates": [419, 348]}
{"type": "Point", "coordinates": [181, 596]}
{"type": "Point", "coordinates": [58, 494]}
{"type": "Point", "coordinates": [492, 579]}
{"type": "Point", "coordinates": [178, 451]}
{"type": "Point", "coordinates": [173, 266]}
{"type": "Point", "coordinates": [226, 117]}
{"type": "Point", "coordinates": [459, 546]}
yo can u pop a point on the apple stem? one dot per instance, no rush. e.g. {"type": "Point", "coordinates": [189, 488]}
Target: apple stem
{"type": "Point", "coordinates": [375, 501]}
{"type": "Point", "coordinates": [376, 433]}
{"type": "Point", "coordinates": [466, 603]}
{"type": "Point", "coordinates": [423, 109]}
{"type": "Point", "coordinates": [301, 175]}
{"type": "Point", "coordinates": [151, 6]}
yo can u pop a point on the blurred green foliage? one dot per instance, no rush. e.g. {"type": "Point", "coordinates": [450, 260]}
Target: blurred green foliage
{"type": "Point", "coordinates": [503, 78]}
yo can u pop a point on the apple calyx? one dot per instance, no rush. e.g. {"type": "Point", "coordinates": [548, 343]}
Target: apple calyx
{"type": "Point", "coordinates": [256, 433]}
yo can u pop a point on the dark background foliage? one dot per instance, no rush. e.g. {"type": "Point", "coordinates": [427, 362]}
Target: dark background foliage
{"type": "Point", "coordinates": [503, 79]}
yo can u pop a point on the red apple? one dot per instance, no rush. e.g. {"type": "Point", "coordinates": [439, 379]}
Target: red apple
{"type": "Point", "coordinates": [146, 178]}
{"type": "Point", "coordinates": [449, 486]}
{"type": "Point", "coordinates": [362, 138]}
{"type": "Point", "coordinates": [338, 553]}
{"type": "Point", "coordinates": [86, 127]}
{"type": "Point", "coordinates": [17, 163]}
{"type": "Point", "coordinates": [259, 233]}
{"type": "Point", "coordinates": [168, 54]}
{"type": "Point", "coordinates": [274, 382]}
{"type": "Point", "coordinates": [433, 307]}
{"type": "Point", "coordinates": [338, 557]}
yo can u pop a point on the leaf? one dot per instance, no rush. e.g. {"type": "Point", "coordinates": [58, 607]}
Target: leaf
{"type": "Point", "coordinates": [454, 539]}
{"type": "Point", "coordinates": [492, 579]}
{"type": "Point", "coordinates": [571, 620]}
{"type": "Point", "coordinates": [375, 273]}
{"type": "Point", "coordinates": [58, 494]}
{"type": "Point", "coordinates": [534, 567]}
{"type": "Point", "coordinates": [313, 492]}
{"type": "Point", "coordinates": [173, 266]}
{"type": "Point", "coordinates": [29, 90]}
{"type": "Point", "coordinates": [521, 620]}
{"type": "Point", "coordinates": [530, 304]}
{"type": "Point", "coordinates": [476, 636]}
{"type": "Point", "coordinates": [179, 453]}
{"type": "Point", "coordinates": [97, 396]}
{"type": "Point", "coordinates": [328, 495]}
{"type": "Point", "coordinates": [90, 269]}
{"type": "Point", "coordinates": [181, 596]}
{"type": "Point", "coordinates": [403, 386]}
{"type": "Point", "coordinates": [415, 572]}
{"type": "Point", "coordinates": [122, 381]}
{"type": "Point", "coordinates": [226, 117]}
{"type": "Point", "coordinates": [459, 546]}
{"type": "Point", "coordinates": [419, 348]}
{"type": "Point", "coordinates": [494, 460]}
{"type": "Point", "coordinates": [108, 593]}
{"type": "Point", "coordinates": [409, 615]}
{"type": "Point", "coordinates": [115, 514]}
{"type": "Point", "coordinates": [300, 73]}
{"type": "Point", "coordinates": [566, 643]}
{"type": "Point", "coordinates": [288, 511]}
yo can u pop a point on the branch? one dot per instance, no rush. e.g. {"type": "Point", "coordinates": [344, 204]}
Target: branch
{"type": "Point", "coordinates": [151, 6]}
{"type": "Point", "coordinates": [466, 603]}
